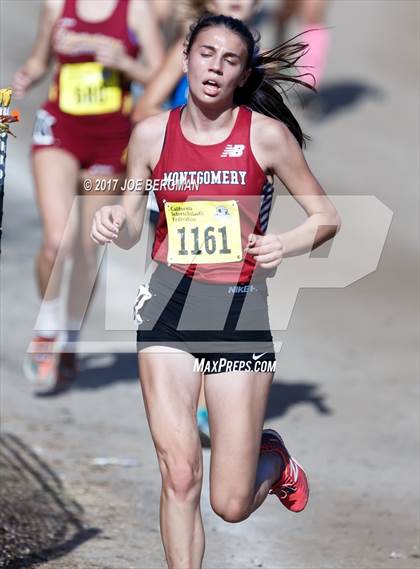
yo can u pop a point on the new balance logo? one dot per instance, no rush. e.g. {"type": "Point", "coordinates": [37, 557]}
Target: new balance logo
{"type": "Point", "coordinates": [233, 150]}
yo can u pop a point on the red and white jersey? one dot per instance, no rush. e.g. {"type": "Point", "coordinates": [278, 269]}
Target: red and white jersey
{"type": "Point", "coordinates": [75, 40]}
{"type": "Point", "coordinates": [81, 86]}
{"type": "Point", "coordinates": [234, 195]}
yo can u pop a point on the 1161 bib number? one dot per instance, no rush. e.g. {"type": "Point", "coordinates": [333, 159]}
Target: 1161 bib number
{"type": "Point", "coordinates": [203, 232]}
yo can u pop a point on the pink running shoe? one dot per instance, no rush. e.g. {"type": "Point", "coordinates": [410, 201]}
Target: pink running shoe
{"type": "Point", "coordinates": [51, 371]}
{"type": "Point", "coordinates": [292, 488]}
{"type": "Point", "coordinates": [40, 363]}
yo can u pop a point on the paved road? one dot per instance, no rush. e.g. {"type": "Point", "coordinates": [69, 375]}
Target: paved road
{"type": "Point", "coordinates": [346, 390]}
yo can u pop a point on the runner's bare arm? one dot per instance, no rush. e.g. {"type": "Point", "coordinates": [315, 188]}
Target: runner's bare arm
{"type": "Point", "coordinates": [37, 64]}
{"type": "Point", "coordinates": [278, 152]}
{"type": "Point", "coordinates": [143, 22]}
{"type": "Point", "coordinates": [163, 9]}
{"type": "Point", "coordinates": [123, 223]}
{"type": "Point", "coordinates": [134, 203]}
{"type": "Point", "coordinates": [162, 85]}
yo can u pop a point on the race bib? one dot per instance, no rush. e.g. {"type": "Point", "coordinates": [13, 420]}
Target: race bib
{"type": "Point", "coordinates": [203, 232]}
{"type": "Point", "coordinates": [89, 89]}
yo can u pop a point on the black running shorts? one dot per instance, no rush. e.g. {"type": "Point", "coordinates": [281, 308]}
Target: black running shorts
{"type": "Point", "coordinates": [225, 327]}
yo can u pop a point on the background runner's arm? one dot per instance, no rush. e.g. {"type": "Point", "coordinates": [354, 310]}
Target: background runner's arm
{"type": "Point", "coordinates": [37, 63]}
{"type": "Point", "coordinates": [280, 153]}
{"type": "Point", "coordinates": [162, 85]}
{"type": "Point", "coordinates": [163, 10]}
{"type": "Point", "coordinates": [143, 22]}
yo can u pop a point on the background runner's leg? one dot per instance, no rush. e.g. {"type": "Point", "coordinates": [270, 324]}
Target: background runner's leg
{"type": "Point", "coordinates": [170, 394]}
{"type": "Point", "coordinates": [56, 173]}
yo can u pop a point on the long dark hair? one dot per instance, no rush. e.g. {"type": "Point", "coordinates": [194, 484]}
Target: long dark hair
{"type": "Point", "coordinates": [263, 92]}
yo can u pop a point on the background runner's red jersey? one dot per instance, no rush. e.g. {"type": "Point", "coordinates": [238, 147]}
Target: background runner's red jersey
{"type": "Point", "coordinates": [227, 170]}
{"type": "Point", "coordinates": [75, 41]}
{"type": "Point", "coordinates": [77, 118]}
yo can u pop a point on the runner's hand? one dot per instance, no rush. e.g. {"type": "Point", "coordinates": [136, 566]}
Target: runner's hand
{"type": "Point", "coordinates": [107, 223]}
{"type": "Point", "coordinates": [268, 250]}
{"type": "Point", "coordinates": [21, 82]}
{"type": "Point", "coordinates": [112, 56]}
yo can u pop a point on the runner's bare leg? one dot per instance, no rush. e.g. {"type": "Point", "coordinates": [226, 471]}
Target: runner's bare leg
{"type": "Point", "coordinates": [56, 173]}
{"type": "Point", "coordinates": [170, 394]}
{"type": "Point", "coordinates": [239, 478]}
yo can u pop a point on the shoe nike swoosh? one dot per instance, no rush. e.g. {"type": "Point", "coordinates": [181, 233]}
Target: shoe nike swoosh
{"type": "Point", "coordinates": [255, 357]}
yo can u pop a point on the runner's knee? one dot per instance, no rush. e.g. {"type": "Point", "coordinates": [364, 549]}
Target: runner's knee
{"type": "Point", "coordinates": [231, 503]}
{"type": "Point", "coordinates": [55, 244]}
{"type": "Point", "coordinates": [181, 476]}
{"type": "Point", "coordinates": [233, 507]}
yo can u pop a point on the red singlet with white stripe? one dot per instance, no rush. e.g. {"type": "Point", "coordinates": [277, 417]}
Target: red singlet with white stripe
{"type": "Point", "coordinates": [218, 172]}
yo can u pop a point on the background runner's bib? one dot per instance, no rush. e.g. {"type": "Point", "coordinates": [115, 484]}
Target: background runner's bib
{"type": "Point", "coordinates": [89, 89]}
{"type": "Point", "coordinates": [203, 232]}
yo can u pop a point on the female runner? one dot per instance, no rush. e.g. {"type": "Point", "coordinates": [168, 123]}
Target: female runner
{"type": "Point", "coordinates": [209, 246]}
{"type": "Point", "coordinates": [82, 131]}
{"type": "Point", "coordinates": [171, 84]}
